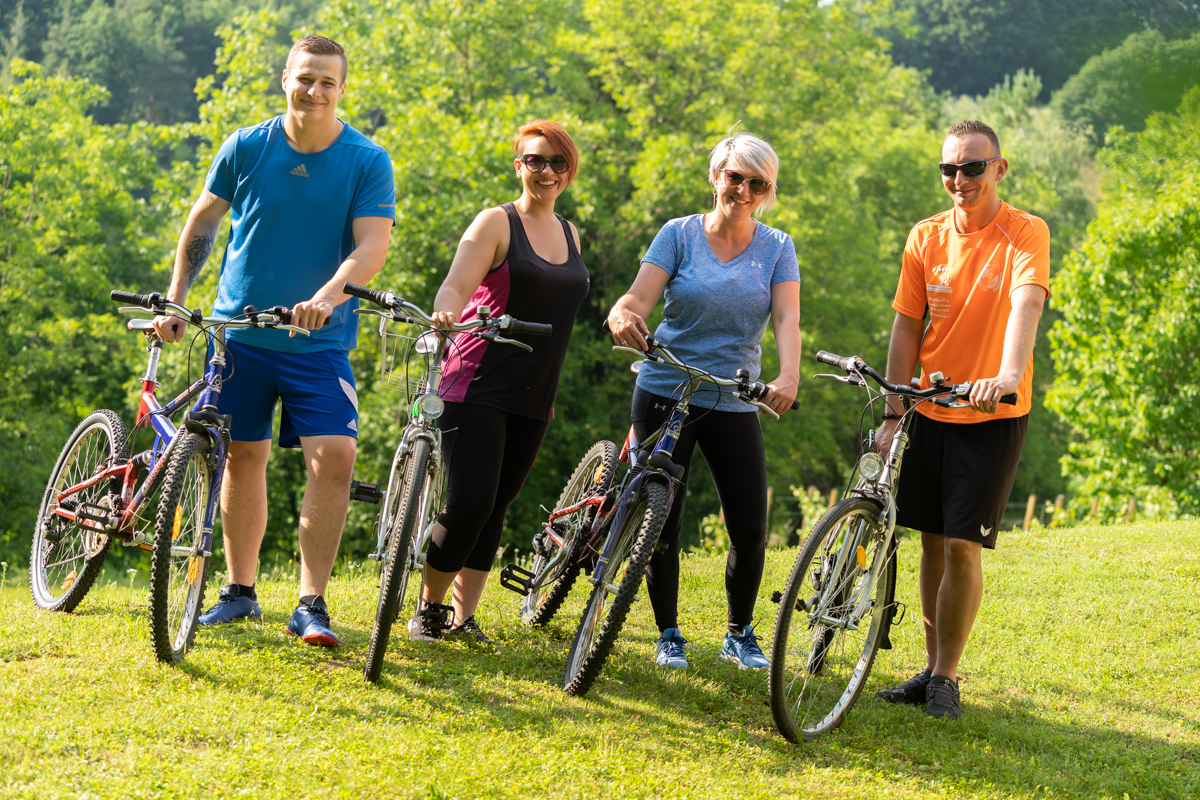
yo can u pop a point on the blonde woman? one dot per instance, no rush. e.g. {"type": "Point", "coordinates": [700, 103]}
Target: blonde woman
{"type": "Point", "coordinates": [724, 275]}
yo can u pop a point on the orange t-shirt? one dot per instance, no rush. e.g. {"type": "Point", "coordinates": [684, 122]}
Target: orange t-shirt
{"type": "Point", "coordinates": [966, 279]}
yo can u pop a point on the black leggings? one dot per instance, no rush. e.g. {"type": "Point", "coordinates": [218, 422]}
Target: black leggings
{"type": "Point", "coordinates": [487, 455]}
{"type": "Point", "coordinates": [732, 444]}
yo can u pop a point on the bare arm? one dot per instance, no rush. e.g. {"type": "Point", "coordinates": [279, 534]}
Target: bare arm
{"type": "Point", "coordinates": [785, 322]}
{"type": "Point", "coordinates": [627, 319]}
{"type": "Point", "coordinates": [903, 351]}
{"type": "Point", "coordinates": [483, 247]}
{"type": "Point", "coordinates": [196, 242]}
{"type": "Point", "coordinates": [371, 238]}
{"type": "Point", "coordinates": [1019, 335]}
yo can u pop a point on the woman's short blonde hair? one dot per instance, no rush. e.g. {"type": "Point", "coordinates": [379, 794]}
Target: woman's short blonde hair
{"type": "Point", "coordinates": [744, 149]}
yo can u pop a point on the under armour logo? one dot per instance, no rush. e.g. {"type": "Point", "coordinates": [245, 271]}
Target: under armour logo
{"type": "Point", "coordinates": [353, 425]}
{"type": "Point", "coordinates": [301, 171]}
{"type": "Point", "coordinates": [661, 407]}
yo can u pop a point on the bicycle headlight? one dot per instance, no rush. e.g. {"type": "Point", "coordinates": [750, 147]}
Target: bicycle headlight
{"type": "Point", "coordinates": [430, 405]}
{"type": "Point", "coordinates": [870, 466]}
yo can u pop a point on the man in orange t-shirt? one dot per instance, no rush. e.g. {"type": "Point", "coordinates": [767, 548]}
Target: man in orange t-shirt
{"type": "Point", "coordinates": [982, 269]}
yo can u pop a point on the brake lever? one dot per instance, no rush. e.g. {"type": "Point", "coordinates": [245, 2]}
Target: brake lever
{"type": "Point", "coordinates": [502, 340]}
{"type": "Point", "coordinates": [762, 406]}
{"type": "Point", "coordinates": [853, 381]}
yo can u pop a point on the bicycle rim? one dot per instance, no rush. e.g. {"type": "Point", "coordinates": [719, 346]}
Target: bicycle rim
{"type": "Point", "coordinates": [61, 572]}
{"type": "Point", "coordinates": [823, 651]}
{"type": "Point", "coordinates": [179, 566]}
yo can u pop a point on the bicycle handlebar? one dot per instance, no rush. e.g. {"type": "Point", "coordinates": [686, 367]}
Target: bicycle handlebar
{"type": "Point", "coordinates": [150, 302]}
{"type": "Point", "coordinates": [278, 318]}
{"type": "Point", "coordinates": [404, 311]}
{"type": "Point", "coordinates": [856, 364]}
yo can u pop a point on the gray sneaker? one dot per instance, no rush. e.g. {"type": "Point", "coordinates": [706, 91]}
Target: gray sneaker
{"type": "Point", "coordinates": [911, 692]}
{"type": "Point", "coordinates": [670, 649]}
{"type": "Point", "coordinates": [470, 632]}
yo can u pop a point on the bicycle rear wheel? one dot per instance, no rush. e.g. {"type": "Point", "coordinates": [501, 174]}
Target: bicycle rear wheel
{"type": "Point", "coordinates": [602, 619]}
{"type": "Point", "coordinates": [823, 649]}
{"type": "Point", "coordinates": [555, 573]}
{"type": "Point", "coordinates": [66, 557]}
{"type": "Point", "coordinates": [179, 566]}
{"type": "Point", "coordinates": [399, 521]}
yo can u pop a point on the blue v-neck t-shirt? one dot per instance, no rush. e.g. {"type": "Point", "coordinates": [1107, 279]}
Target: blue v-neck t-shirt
{"type": "Point", "coordinates": [292, 216]}
{"type": "Point", "coordinates": [716, 313]}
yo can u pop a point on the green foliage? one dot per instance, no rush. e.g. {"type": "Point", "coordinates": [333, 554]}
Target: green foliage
{"type": "Point", "coordinates": [1129, 383]}
{"type": "Point", "coordinates": [971, 45]}
{"type": "Point", "coordinates": [80, 210]}
{"type": "Point", "coordinates": [1123, 86]}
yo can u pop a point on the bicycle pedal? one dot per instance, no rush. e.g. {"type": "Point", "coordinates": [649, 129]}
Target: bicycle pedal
{"type": "Point", "coordinates": [517, 579]}
{"type": "Point", "coordinates": [364, 492]}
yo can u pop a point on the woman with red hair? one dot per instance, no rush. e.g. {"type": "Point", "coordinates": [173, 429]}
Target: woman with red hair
{"type": "Point", "coordinates": [522, 259]}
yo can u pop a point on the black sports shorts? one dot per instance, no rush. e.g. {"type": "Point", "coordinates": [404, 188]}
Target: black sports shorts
{"type": "Point", "coordinates": [955, 479]}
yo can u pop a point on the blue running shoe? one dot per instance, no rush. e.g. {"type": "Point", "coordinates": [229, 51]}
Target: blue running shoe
{"type": "Point", "coordinates": [670, 649]}
{"type": "Point", "coordinates": [231, 606]}
{"type": "Point", "coordinates": [311, 623]}
{"type": "Point", "coordinates": [744, 650]}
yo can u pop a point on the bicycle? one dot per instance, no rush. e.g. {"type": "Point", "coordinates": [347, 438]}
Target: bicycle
{"type": "Point", "coordinates": [626, 519]}
{"type": "Point", "coordinates": [838, 606]}
{"type": "Point", "coordinates": [412, 498]}
{"type": "Point", "coordinates": [98, 493]}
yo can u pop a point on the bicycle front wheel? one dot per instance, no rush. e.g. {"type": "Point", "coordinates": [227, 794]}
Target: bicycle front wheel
{"type": "Point", "coordinates": [66, 557]}
{"type": "Point", "coordinates": [555, 573]}
{"type": "Point", "coordinates": [831, 619]}
{"type": "Point", "coordinates": [179, 565]}
{"type": "Point", "coordinates": [614, 594]}
{"type": "Point", "coordinates": [399, 521]}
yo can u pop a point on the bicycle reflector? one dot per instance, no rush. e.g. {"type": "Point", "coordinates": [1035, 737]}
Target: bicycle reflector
{"type": "Point", "coordinates": [870, 466]}
{"type": "Point", "coordinates": [430, 405]}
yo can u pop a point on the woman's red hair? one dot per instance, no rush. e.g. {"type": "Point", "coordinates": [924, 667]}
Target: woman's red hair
{"type": "Point", "coordinates": [558, 138]}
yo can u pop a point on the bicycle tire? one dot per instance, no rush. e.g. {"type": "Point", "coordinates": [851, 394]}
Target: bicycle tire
{"type": "Point", "coordinates": [593, 476]}
{"type": "Point", "coordinates": [393, 571]}
{"type": "Point", "coordinates": [591, 648]}
{"type": "Point", "coordinates": [834, 662]}
{"type": "Point", "coordinates": [97, 442]}
{"type": "Point", "coordinates": [177, 580]}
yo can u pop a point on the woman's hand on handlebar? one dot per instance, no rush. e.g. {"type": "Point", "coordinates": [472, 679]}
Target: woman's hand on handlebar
{"type": "Point", "coordinates": [781, 392]}
{"type": "Point", "coordinates": [986, 393]}
{"type": "Point", "coordinates": [443, 320]}
{"type": "Point", "coordinates": [628, 329]}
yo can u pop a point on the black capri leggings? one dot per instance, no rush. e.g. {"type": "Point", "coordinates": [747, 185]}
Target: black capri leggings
{"type": "Point", "coordinates": [732, 444]}
{"type": "Point", "coordinates": [487, 455]}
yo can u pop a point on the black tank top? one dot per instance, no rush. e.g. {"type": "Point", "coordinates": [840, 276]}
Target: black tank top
{"type": "Point", "coordinates": [527, 287]}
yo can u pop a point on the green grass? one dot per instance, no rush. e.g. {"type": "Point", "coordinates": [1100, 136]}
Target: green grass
{"type": "Point", "coordinates": [1082, 680]}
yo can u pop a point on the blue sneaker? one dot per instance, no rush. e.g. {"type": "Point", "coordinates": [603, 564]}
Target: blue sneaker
{"type": "Point", "coordinates": [311, 623]}
{"type": "Point", "coordinates": [231, 606]}
{"type": "Point", "coordinates": [670, 649]}
{"type": "Point", "coordinates": [744, 650]}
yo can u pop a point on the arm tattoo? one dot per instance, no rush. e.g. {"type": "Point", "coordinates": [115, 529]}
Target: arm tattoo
{"type": "Point", "coordinates": [195, 253]}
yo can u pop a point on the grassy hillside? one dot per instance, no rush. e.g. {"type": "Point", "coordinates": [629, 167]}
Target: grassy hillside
{"type": "Point", "coordinates": [1081, 681]}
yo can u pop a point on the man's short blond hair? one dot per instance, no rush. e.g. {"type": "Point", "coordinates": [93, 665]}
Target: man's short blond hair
{"type": "Point", "coordinates": [746, 150]}
{"type": "Point", "coordinates": [319, 46]}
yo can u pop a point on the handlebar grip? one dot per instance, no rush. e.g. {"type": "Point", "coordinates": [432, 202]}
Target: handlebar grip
{"type": "Point", "coordinates": [363, 293]}
{"type": "Point", "coordinates": [1009, 399]}
{"type": "Point", "coordinates": [532, 328]}
{"type": "Point", "coordinates": [796, 404]}
{"type": "Point", "coordinates": [841, 362]}
{"type": "Point", "coordinates": [148, 301]}
{"type": "Point", "coordinates": [284, 315]}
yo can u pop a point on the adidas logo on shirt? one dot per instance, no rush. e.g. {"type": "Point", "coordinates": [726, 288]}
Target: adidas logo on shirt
{"type": "Point", "coordinates": [301, 171]}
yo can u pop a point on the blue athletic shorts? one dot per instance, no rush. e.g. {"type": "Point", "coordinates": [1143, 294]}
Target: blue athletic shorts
{"type": "Point", "coordinates": [317, 390]}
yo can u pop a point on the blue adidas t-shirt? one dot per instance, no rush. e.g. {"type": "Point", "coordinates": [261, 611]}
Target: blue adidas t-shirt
{"type": "Point", "coordinates": [716, 313]}
{"type": "Point", "coordinates": [292, 215]}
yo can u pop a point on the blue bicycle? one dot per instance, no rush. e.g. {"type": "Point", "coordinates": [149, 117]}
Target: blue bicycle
{"type": "Point", "coordinates": [627, 523]}
{"type": "Point", "coordinates": [98, 492]}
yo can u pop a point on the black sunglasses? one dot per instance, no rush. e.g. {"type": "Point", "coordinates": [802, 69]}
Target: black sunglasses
{"type": "Point", "coordinates": [536, 163]}
{"type": "Point", "coordinates": [972, 169]}
{"type": "Point", "coordinates": [757, 185]}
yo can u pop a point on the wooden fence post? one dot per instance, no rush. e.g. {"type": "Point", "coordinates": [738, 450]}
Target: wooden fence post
{"type": "Point", "coordinates": [1092, 510]}
{"type": "Point", "coordinates": [1058, 507]}
{"type": "Point", "coordinates": [833, 497]}
{"type": "Point", "coordinates": [1132, 510]}
{"type": "Point", "coordinates": [1030, 507]}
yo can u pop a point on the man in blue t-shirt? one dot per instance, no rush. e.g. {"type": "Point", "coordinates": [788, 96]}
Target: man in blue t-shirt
{"type": "Point", "coordinates": [313, 204]}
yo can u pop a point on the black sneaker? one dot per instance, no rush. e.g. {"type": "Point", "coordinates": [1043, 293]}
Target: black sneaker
{"type": "Point", "coordinates": [430, 622]}
{"type": "Point", "coordinates": [911, 692]}
{"type": "Point", "coordinates": [470, 632]}
{"type": "Point", "coordinates": [942, 699]}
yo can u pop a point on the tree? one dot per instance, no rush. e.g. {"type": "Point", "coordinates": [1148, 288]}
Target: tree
{"type": "Point", "coordinates": [79, 215]}
{"type": "Point", "coordinates": [1125, 349]}
{"type": "Point", "coordinates": [971, 45]}
{"type": "Point", "coordinates": [1125, 85]}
